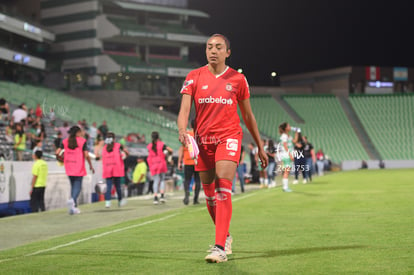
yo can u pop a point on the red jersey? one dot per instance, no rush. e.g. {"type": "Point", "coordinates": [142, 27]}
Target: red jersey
{"type": "Point", "coordinates": [215, 100]}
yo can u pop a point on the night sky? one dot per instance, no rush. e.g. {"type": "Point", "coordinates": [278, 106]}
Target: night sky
{"type": "Point", "coordinates": [294, 36]}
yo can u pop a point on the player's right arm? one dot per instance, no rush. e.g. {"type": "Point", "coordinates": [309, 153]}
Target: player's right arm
{"type": "Point", "coordinates": [182, 120]}
{"type": "Point", "coordinates": [187, 91]}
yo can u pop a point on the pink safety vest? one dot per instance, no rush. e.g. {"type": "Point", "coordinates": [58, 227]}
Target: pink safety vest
{"type": "Point", "coordinates": [112, 163]}
{"type": "Point", "coordinates": [74, 160]}
{"type": "Point", "coordinates": [156, 162]}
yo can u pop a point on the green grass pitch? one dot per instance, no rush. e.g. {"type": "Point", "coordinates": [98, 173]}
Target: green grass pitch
{"type": "Point", "coordinates": [359, 222]}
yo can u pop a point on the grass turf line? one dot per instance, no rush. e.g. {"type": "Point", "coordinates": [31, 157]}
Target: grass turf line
{"type": "Point", "coordinates": [349, 222]}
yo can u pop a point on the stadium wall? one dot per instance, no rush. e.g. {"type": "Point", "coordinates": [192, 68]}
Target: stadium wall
{"type": "Point", "coordinates": [375, 164]}
{"type": "Point", "coordinates": [15, 186]}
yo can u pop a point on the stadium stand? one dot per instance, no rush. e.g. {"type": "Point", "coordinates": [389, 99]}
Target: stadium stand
{"type": "Point", "coordinates": [325, 124]}
{"type": "Point", "coordinates": [150, 117]}
{"type": "Point", "coordinates": [389, 122]}
{"type": "Point", "coordinates": [72, 109]}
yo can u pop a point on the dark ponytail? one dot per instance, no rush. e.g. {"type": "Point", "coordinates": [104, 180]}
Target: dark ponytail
{"type": "Point", "coordinates": [155, 136]}
{"type": "Point", "coordinates": [282, 127]}
{"type": "Point", "coordinates": [110, 141]}
{"type": "Point", "coordinates": [73, 143]}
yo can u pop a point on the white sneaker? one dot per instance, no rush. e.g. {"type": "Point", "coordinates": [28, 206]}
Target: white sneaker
{"type": "Point", "coordinates": [304, 181]}
{"type": "Point", "coordinates": [122, 202]}
{"type": "Point", "coordinates": [71, 205]}
{"type": "Point", "coordinates": [216, 256]}
{"type": "Point", "coordinates": [227, 247]}
{"type": "Point", "coordinates": [74, 211]}
{"type": "Point", "coordinates": [295, 182]}
{"type": "Point", "coordinates": [107, 204]}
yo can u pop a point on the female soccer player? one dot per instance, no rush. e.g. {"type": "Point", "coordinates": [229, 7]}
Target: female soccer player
{"type": "Point", "coordinates": [113, 168]}
{"type": "Point", "coordinates": [285, 152]}
{"type": "Point", "coordinates": [216, 89]}
{"type": "Point", "coordinates": [76, 152]}
{"type": "Point", "coordinates": [157, 164]}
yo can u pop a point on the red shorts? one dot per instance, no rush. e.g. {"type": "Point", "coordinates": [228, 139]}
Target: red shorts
{"type": "Point", "coordinates": [227, 149]}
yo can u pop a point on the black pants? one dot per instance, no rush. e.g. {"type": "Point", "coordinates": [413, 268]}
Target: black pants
{"type": "Point", "coordinates": [135, 189]}
{"type": "Point", "coordinates": [37, 199]}
{"type": "Point", "coordinates": [300, 165]}
{"type": "Point", "coordinates": [150, 187]}
{"type": "Point", "coordinates": [189, 171]}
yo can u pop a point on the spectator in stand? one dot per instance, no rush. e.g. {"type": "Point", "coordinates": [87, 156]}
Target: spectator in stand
{"type": "Point", "coordinates": [31, 117]}
{"type": "Point", "coordinates": [93, 132]}
{"type": "Point", "coordinates": [58, 141]}
{"type": "Point", "coordinates": [104, 129]}
{"type": "Point", "coordinates": [99, 144]}
{"type": "Point", "coordinates": [142, 139]}
{"type": "Point", "coordinates": [39, 111]}
{"type": "Point", "coordinates": [320, 157]}
{"type": "Point", "coordinates": [10, 131]}
{"type": "Point", "coordinates": [85, 125]}
{"type": "Point", "coordinates": [310, 158]}
{"type": "Point", "coordinates": [52, 117]}
{"type": "Point", "coordinates": [64, 130]}
{"type": "Point", "coordinates": [20, 114]}
{"type": "Point", "coordinates": [4, 109]}
{"type": "Point", "coordinates": [19, 141]}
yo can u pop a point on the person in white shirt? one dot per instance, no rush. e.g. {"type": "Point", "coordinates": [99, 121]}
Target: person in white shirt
{"type": "Point", "coordinates": [19, 114]}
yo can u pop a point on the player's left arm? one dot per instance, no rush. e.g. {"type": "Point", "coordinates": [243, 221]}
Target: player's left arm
{"type": "Point", "coordinates": [251, 124]}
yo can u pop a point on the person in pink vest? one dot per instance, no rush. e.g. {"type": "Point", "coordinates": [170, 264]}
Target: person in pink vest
{"type": "Point", "coordinates": [157, 164]}
{"type": "Point", "coordinates": [75, 153]}
{"type": "Point", "coordinates": [113, 168]}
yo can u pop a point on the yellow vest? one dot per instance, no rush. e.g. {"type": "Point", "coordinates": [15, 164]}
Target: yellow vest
{"type": "Point", "coordinates": [22, 145]}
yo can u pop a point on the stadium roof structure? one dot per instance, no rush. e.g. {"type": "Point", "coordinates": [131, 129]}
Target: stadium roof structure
{"type": "Point", "coordinates": [161, 9]}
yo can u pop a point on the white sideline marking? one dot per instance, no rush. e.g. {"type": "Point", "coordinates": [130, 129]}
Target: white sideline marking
{"type": "Point", "coordinates": [92, 237]}
{"type": "Point", "coordinates": [113, 231]}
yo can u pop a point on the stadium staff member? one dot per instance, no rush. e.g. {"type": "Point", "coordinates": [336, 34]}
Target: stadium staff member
{"type": "Point", "coordinates": [189, 172]}
{"type": "Point", "coordinates": [139, 177]}
{"type": "Point", "coordinates": [113, 168]}
{"type": "Point", "coordinates": [76, 151]}
{"type": "Point", "coordinates": [40, 172]}
{"type": "Point", "coordinates": [216, 89]}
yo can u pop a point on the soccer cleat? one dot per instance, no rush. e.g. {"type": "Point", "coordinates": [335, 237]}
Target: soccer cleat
{"type": "Point", "coordinates": [156, 200]}
{"type": "Point", "coordinates": [107, 204]}
{"type": "Point", "coordinates": [227, 247]}
{"type": "Point", "coordinates": [287, 190]}
{"type": "Point", "coordinates": [216, 256]}
{"type": "Point", "coordinates": [304, 181]}
{"type": "Point", "coordinates": [295, 182]}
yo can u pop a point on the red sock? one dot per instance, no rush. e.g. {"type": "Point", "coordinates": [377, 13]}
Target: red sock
{"type": "Point", "coordinates": [223, 210]}
{"type": "Point", "coordinates": [210, 191]}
